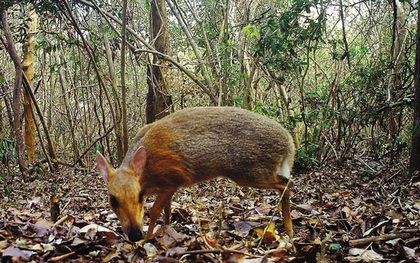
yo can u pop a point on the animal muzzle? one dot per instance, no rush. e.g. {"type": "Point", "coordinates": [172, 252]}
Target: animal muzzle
{"type": "Point", "coordinates": [134, 234]}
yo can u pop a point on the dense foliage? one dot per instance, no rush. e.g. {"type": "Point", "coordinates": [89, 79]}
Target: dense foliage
{"type": "Point", "coordinates": [339, 74]}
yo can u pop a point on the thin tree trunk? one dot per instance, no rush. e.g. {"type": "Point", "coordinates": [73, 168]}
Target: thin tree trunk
{"type": "Point", "coordinates": [150, 49]}
{"type": "Point", "coordinates": [118, 119]}
{"type": "Point", "coordinates": [248, 66]}
{"type": "Point", "coordinates": [400, 34]}
{"type": "Point", "coordinates": [212, 60]}
{"type": "Point", "coordinates": [123, 86]}
{"type": "Point", "coordinates": [415, 146]}
{"type": "Point", "coordinates": [17, 92]}
{"type": "Point", "coordinates": [224, 70]}
{"type": "Point", "coordinates": [28, 69]}
{"type": "Point", "coordinates": [50, 151]}
{"type": "Point", "coordinates": [159, 102]}
{"type": "Point", "coordinates": [346, 45]}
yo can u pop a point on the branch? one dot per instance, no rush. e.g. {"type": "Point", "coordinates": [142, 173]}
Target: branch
{"type": "Point", "coordinates": [152, 50]}
{"type": "Point", "coordinates": [93, 144]}
{"type": "Point", "coordinates": [368, 240]}
{"type": "Point", "coordinates": [51, 151]}
{"type": "Point", "coordinates": [193, 43]}
{"type": "Point", "coordinates": [17, 92]}
{"type": "Point", "coordinates": [406, 100]}
{"type": "Point", "coordinates": [186, 71]}
{"type": "Point", "coordinates": [346, 44]}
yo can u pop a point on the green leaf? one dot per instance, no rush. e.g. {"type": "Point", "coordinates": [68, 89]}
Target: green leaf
{"type": "Point", "coordinates": [147, 5]}
{"type": "Point", "coordinates": [251, 31]}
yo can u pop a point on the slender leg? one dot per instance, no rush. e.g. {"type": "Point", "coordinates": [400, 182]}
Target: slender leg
{"type": "Point", "coordinates": [284, 187]}
{"type": "Point", "coordinates": [163, 200]}
{"type": "Point", "coordinates": [287, 217]}
{"type": "Point", "coordinates": [167, 211]}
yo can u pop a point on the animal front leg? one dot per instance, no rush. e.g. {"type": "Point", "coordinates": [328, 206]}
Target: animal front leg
{"type": "Point", "coordinates": [167, 211]}
{"type": "Point", "coordinates": [163, 200]}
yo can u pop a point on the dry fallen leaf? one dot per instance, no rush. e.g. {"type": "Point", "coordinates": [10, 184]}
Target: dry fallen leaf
{"type": "Point", "coordinates": [4, 244]}
{"type": "Point", "coordinates": [357, 254]}
{"type": "Point", "coordinates": [169, 237]}
{"type": "Point", "coordinates": [91, 230]}
{"type": "Point", "coordinates": [328, 206]}
{"type": "Point", "coordinates": [242, 228]}
{"type": "Point", "coordinates": [269, 235]}
{"type": "Point", "coordinates": [17, 254]}
{"type": "Point", "coordinates": [41, 228]}
{"type": "Point", "coordinates": [151, 250]}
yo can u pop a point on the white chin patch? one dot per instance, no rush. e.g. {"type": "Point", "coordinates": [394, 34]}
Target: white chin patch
{"type": "Point", "coordinates": [284, 169]}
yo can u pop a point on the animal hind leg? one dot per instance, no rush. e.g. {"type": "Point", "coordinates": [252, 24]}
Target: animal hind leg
{"type": "Point", "coordinates": [283, 184]}
{"type": "Point", "coordinates": [285, 208]}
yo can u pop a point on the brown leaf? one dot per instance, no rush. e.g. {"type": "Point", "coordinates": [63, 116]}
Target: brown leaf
{"type": "Point", "coordinates": [242, 227]}
{"type": "Point", "coordinates": [210, 241]}
{"type": "Point", "coordinates": [41, 228]}
{"type": "Point", "coordinates": [269, 235]}
{"type": "Point", "coordinates": [264, 209]}
{"type": "Point", "coordinates": [91, 230]}
{"type": "Point", "coordinates": [166, 260]}
{"type": "Point", "coordinates": [169, 237]}
{"type": "Point", "coordinates": [17, 254]}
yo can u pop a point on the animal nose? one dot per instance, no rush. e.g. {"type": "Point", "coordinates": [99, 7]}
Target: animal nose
{"type": "Point", "coordinates": [135, 234]}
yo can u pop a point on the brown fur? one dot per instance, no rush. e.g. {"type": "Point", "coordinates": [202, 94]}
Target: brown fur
{"type": "Point", "coordinates": [192, 146]}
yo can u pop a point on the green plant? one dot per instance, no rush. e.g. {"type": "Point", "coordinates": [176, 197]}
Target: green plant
{"type": "Point", "coordinates": [7, 151]}
{"type": "Point", "coordinates": [305, 156]}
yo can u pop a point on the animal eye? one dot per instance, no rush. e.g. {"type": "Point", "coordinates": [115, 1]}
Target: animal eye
{"type": "Point", "coordinates": [141, 197]}
{"type": "Point", "coordinates": [113, 200]}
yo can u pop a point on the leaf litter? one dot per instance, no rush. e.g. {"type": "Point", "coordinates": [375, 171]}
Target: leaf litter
{"type": "Point", "coordinates": [339, 215]}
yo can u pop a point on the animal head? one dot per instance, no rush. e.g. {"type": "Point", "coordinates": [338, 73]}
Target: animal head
{"type": "Point", "coordinates": [125, 192]}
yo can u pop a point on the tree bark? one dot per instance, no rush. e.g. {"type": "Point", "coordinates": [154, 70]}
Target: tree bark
{"type": "Point", "coordinates": [159, 102]}
{"type": "Point", "coordinates": [346, 44]}
{"type": "Point", "coordinates": [50, 151]}
{"type": "Point", "coordinates": [415, 146]}
{"type": "Point", "coordinates": [28, 69]}
{"type": "Point", "coordinates": [118, 115]}
{"type": "Point", "coordinates": [398, 57]}
{"type": "Point", "coordinates": [123, 86]}
{"type": "Point", "coordinates": [17, 92]}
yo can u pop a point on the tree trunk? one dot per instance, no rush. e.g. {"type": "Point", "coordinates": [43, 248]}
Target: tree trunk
{"type": "Point", "coordinates": [17, 92]}
{"type": "Point", "coordinates": [123, 86]}
{"type": "Point", "coordinates": [248, 66]}
{"type": "Point", "coordinates": [415, 147]}
{"type": "Point", "coordinates": [398, 57]}
{"type": "Point", "coordinates": [69, 115]}
{"type": "Point", "coordinates": [211, 87]}
{"type": "Point", "coordinates": [28, 69]}
{"type": "Point", "coordinates": [118, 110]}
{"type": "Point", "coordinates": [6, 107]}
{"type": "Point", "coordinates": [159, 102]}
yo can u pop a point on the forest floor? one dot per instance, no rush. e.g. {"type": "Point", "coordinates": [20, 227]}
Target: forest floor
{"type": "Point", "coordinates": [367, 212]}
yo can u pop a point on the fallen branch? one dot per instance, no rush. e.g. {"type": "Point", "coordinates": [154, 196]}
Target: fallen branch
{"type": "Point", "coordinates": [364, 241]}
{"type": "Point", "coordinates": [212, 251]}
{"type": "Point", "coordinates": [62, 257]}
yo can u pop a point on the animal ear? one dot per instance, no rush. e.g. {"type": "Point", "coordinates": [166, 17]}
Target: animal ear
{"type": "Point", "coordinates": [138, 162]}
{"type": "Point", "coordinates": [103, 166]}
